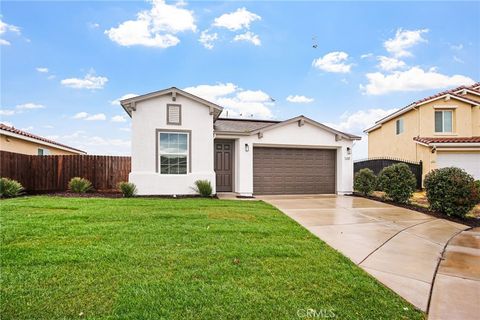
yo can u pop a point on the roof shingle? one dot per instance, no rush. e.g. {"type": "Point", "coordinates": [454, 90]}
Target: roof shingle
{"type": "Point", "coordinates": [428, 140]}
{"type": "Point", "coordinates": [32, 136]}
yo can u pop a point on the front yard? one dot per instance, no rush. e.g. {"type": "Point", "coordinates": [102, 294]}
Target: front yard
{"type": "Point", "coordinates": [175, 259]}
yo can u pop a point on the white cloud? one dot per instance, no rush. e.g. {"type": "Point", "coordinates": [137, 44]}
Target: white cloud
{"type": "Point", "coordinates": [80, 115]}
{"type": "Point", "coordinates": [119, 119]}
{"type": "Point", "coordinates": [403, 40]}
{"type": "Point", "coordinates": [29, 128]}
{"type": "Point", "coordinates": [48, 126]}
{"type": "Point", "coordinates": [7, 112]}
{"type": "Point", "coordinates": [7, 28]}
{"type": "Point", "coordinates": [457, 59]}
{"type": "Point", "coordinates": [237, 20]}
{"type": "Point", "coordinates": [96, 117]}
{"type": "Point", "coordinates": [456, 47]}
{"type": "Point", "coordinates": [93, 25]}
{"type": "Point", "coordinates": [208, 39]}
{"type": "Point", "coordinates": [333, 62]}
{"type": "Point", "coordinates": [96, 144]}
{"type": "Point", "coordinates": [390, 64]}
{"type": "Point", "coordinates": [299, 99]}
{"type": "Point", "coordinates": [30, 105]}
{"type": "Point", "coordinates": [249, 37]}
{"type": "Point", "coordinates": [116, 102]}
{"type": "Point", "coordinates": [90, 81]}
{"type": "Point", "coordinates": [358, 121]}
{"type": "Point", "coordinates": [366, 55]}
{"type": "Point", "coordinates": [236, 101]}
{"type": "Point", "coordinates": [42, 69]}
{"type": "Point", "coordinates": [413, 79]}
{"type": "Point", "coordinates": [126, 129]}
{"type": "Point", "coordinates": [155, 27]}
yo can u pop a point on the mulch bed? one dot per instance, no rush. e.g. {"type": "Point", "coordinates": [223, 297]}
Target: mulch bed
{"type": "Point", "coordinates": [471, 222]}
{"type": "Point", "coordinates": [67, 194]}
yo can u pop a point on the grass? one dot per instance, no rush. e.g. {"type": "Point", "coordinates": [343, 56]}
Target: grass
{"type": "Point", "coordinates": [97, 258]}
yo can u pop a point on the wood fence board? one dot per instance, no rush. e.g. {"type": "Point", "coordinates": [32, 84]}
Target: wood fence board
{"type": "Point", "coordinates": [52, 173]}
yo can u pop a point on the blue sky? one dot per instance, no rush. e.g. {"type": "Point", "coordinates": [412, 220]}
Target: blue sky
{"type": "Point", "coordinates": [63, 64]}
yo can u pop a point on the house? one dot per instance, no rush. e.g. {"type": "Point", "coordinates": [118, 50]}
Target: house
{"type": "Point", "coordinates": [178, 138]}
{"type": "Point", "coordinates": [442, 130]}
{"type": "Point", "coordinates": [19, 141]}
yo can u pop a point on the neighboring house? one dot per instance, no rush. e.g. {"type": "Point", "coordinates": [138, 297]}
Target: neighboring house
{"type": "Point", "coordinates": [14, 140]}
{"type": "Point", "coordinates": [178, 138]}
{"type": "Point", "coordinates": [442, 131]}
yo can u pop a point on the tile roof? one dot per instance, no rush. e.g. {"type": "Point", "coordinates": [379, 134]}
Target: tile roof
{"type": "Point", "coordinates": [241, 125]}
{"type": "Point", "coordinates": [474, 87]}
{"type": "Point", "coordinates": [32, 136]}
{"type": "Point", "coordinates": [427, 140]}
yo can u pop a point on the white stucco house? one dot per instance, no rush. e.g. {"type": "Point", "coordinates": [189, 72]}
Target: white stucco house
{"type": "Point", "coordinates": [178, 138]}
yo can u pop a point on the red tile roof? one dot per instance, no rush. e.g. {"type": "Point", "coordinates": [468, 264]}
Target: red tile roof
{"type": "Point", "coordinates": [451, 92]}
{"type": "Point", "coordinates": [427, 140]}
{"type": "Point", "coordinates": [32, 136]}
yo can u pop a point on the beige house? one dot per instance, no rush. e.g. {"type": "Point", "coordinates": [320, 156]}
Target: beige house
{"type": "Point", "coordinates": [18, 141]}
{"type": "Point", "coordinates": [442, 130]}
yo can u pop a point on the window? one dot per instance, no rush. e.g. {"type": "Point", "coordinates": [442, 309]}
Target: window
{"type": "Point", "coordinates": [399, 126]}
{"type": "Point", "coordinates": [43, 152]}
{"type": "Point", "coordinates": [174, 114]}
{"type": "Point", "coordinates": [444, 121]}
{"type": "Point", "coordinates": [173, 153]}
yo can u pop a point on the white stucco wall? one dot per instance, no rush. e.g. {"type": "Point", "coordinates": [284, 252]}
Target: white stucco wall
{"type": "Point", "coordinates": [291, 135]}
{"type": "Point", "coordinates": [149, 116]}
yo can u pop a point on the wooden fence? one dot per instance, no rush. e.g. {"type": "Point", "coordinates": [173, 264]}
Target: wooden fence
{"type": "Point", "coordinates": [52, 173]}
{"type": "Point", "coordinates": [377, 164]}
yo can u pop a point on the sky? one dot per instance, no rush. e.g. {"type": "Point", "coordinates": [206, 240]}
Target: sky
{"type": "Point", "coordinates": [65, 65]}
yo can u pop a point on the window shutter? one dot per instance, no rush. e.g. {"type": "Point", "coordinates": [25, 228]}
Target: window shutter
{"type": "Point", "coordinates": [174, 114]}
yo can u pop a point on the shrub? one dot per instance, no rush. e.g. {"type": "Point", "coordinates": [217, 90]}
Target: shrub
{"type": "Point", "coordinates": [80, 185]}
{"type": "Point", "coordinates": [128, 189]}
{"type": "Point", "coordinates": [204, 187]}
{"type": "Point", "coordinates": [10, 188]}
{"type": "Point", "coordinates": [365, 181]}
{"type": "Point", "coordinates": [398, 182]}
{"type": "Point", "coordinates": [451, 191]}
{"type": "Point", "coordinates": [477, 184]}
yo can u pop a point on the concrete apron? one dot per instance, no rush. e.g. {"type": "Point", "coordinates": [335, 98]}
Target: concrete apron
{"type": "Point", "coordinates": [399, 247]}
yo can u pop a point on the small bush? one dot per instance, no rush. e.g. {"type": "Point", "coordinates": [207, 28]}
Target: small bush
{"type": "Point", "coordinates": [80, 185]}
{"type": "Point", "coordinates": [10, 188]}
{"type": "Point", "coordinates": [477, 184]}
{"type": "Point", "coordinates": [365, 181]}
{"type": "Point", "coordinates": [398, 182]}
{"type": "Point", "coordinates": [128, 189]}
{"type": "Point", "coordinates": [203, 187]}
{"type": "Point", "coordinates": [451, 191]}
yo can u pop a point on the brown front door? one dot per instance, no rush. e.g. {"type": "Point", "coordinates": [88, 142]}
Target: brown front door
{"type": "Point", "coordinates": [223, 165]}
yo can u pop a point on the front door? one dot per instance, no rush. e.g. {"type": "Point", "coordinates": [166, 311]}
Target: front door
{"type": "Point", "coordinates": [223, 165]}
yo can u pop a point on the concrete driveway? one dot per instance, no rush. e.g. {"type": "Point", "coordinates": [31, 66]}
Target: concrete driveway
{"type": "Point", "coordinates": [399, 247]}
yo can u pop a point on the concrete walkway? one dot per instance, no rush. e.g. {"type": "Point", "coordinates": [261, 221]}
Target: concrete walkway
{"type": "Point", "coordinates": [456, 289]}
{"type": "Point", "coordinates": [399, 247]}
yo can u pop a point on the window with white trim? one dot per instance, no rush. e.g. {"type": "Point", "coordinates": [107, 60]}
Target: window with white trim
{"type": "Point", "coordinates": [444, 121]}
{"type": "Point", "coordinates": [43, 152]}
{"type": "Point", "coordinates": [399, 126]}
{"type": "Point", "coordinates": [173, 152]}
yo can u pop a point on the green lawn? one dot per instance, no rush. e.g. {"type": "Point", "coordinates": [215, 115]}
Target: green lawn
{"type": "Point", "coordinates": [94, 258]}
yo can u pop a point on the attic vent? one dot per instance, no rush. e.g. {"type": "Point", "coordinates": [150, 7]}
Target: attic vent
{"type": "Point", "coordinates": [174, 114]}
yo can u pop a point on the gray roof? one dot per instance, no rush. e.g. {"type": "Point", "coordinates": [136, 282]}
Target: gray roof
{"type": "Point", "coordinates": [241, 125]}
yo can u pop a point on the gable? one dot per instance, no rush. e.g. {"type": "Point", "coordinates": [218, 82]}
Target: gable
{"type": "Point", "coordinates": [173, 93]}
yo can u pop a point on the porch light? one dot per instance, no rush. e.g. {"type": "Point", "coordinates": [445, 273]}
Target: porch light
{"type": "Point", "coordinates": [247, 147]}
{"type": "Point", "coordinates": [349, 150]}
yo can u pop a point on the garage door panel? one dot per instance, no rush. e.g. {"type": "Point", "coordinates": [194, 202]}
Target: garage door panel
{"type": "Point", "coordinates": [293, 170]}
{"type": "Point", "coordinates": [469, 162]}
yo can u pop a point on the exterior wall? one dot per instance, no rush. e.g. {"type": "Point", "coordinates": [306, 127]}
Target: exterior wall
{"type": "Point", "coordinates": [291, 135]}
{"type": "Point", "coordinates": [12, 144]}
{"type": "Point", "coordinates": [421, 122]}
{"type": "Point", "coordinates": [150, 115]}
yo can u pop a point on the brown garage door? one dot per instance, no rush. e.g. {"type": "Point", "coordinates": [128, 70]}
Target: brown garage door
{"type": "Point", "coordinates": [293, 171]}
